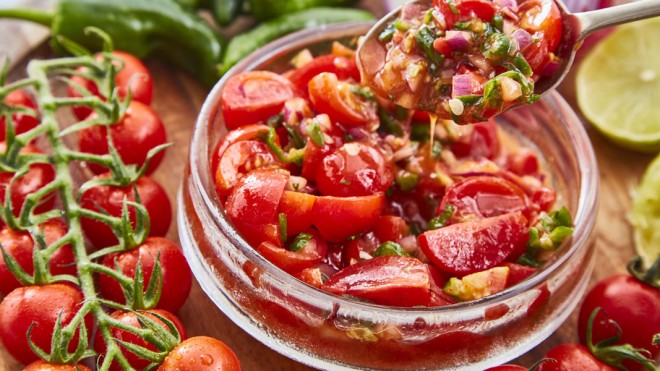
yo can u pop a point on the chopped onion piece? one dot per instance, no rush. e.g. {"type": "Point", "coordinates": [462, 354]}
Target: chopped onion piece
{"type": "Point", "coordinates": [296, 183]}
{"type": "Point", "coordinates": [481, 63]}
{"type": "Point", "coordinates": [511, 4]}
{"type": "Point", "coordinates": [458, 40]}
{"type": "Point", "coordinates": [510, 89]}
{"type": "Point", "coordinates": [457, 107]}
{"type": "Point", "coordinates": [415, 75]}
{"type": "Point", "coordinates": [523, 38]}
{"type": "Point", "coordinates": [462, 85]}
{"type": "Point", "coordinates": [305, 56]}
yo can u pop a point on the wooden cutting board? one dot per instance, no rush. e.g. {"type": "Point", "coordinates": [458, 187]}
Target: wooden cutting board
{"type": "Point", "coordinates": [178, 99]}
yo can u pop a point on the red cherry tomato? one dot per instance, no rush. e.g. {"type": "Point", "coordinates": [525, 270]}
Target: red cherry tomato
{"type": "Point", "coordinates": [354, 169]}
{"type": "Point", "coordinates": [295, 261]}
{"type": "Point", "coordinates": [508, 368]}
{"type": "Point", "coordinates": [344, 68]}
{"type": "Point", "coordinates": [517, 273]}
{"type": "Point", "coordinates": [201, 353]}
{"type": "Point", "coordinates": [22, 122]}
{"type": "Point", "coordinates": [483, 142]}
{"type": "Point", "coordinates": [41, 306]}
{"type": "Point", "coordinates": [387, 280]}
{"type": "Point", "coordinates": [632, 304]}
{"type": "Point", "coordinates": [256, 197]}
{"type": "Point", "coordinates": [312, 157]}
{"type": "Point", "coordinates": [133, 77]}
{"type": "Point", "coordinates": [572, 357]}
{"type": "Point", "coordinates": [111, 199]}
{"type": "Point", "coordinates": [139, 131]}
{"type": "Point", "coordinates": [297, 207]}
{"type": "Point", "coordinates": [482, 9]}
{"type": "Point", "coordinates": [477, 245]}
{"type": "Point", "coordinates": [338, 218]}
{"type": "Point", "coordinates": [391, 228]}
{"type": "Point", "coordinates": [334, 98]}
{"type": "Point", "coordinates": [239, 159]}
{"type": "Point", "coordinates": [525, 162]}
{"type": "Point", "coordinates": [131, 319]}
{"type": "Point", "coordinates": [483, 197]}
{"type": "Point", "coordinates": [176, 276]}
{"type": "Point", "coordinates": [254, 96]}
{"type": "Point", "coordinates": [37, 177]}
{"type": "Point", "coordinates": [542, 19]}
{"type": "Point", "coordinates": [42, 365]}
{"type": "Point", "coordinates": [446, 11]}
{"type": "Point", "coordinates": [20, 246]}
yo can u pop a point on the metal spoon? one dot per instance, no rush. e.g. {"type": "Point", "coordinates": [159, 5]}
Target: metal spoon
{"type": "Point", "coordinates": [576, 26]}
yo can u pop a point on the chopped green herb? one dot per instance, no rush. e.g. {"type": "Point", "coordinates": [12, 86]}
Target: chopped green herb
{"type": "Point", "coordinates": [387, 33]}
{"type": "Point", "coordinates": [436, 149]}
{"type": "Point", "coordinates": [299, 242]}
{"type": "Point", "coordinates": [282, 227]}
{"type": "Point", "coordinates": [521, 64]}
{"type": "Point", "coordinates": [315, 134]}
{"type": "Point", "coordinates": [389, 124]}
{"type": "Point", "coordinates": [425, 38]}
{"type": "Point", "coordinates": [441, 220]}
{"type": "Point", "coordinates": [407, 181]}
{"type": "Point", "coordinates": [275, 121]}
{"type": "Point", "coordinates": [295, 138]}
{"type": "Point", "coordinates": [498, 46]}
{"type": "Point", "coordinates": [428, 16]}
{"type": "Point", "coordinates": [452, 6]}
{"type": "Point", "coordinates": [563, 217]}
{"type": "Point", "coordinates": [294, 156]}
{"type": "Point", "coordinates": [469, 99]}
{"type": "Point", "coordinates": [401, 25]}
{"type": "Point", "coordinates": [363, 92]}
{"type": "Point", "coordinates": [390, 248]}
{"type": "Point", "coordinates": [498, 21]}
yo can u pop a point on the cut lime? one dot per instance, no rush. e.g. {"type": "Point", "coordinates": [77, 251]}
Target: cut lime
{"type": "Point", "coordinates": [618, 86]}
{"type": "Point", "coordinates": [645, 216]}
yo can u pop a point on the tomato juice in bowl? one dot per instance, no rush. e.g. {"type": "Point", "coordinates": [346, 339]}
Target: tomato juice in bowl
{"type": "Point", "coordinates": [334, 332]}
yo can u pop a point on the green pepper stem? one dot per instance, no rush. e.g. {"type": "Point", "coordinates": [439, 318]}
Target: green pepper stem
{"type": "Point", "coordinates": [35, 16]}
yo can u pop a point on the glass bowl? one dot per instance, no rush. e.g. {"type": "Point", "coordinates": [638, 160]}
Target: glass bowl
{"type": "Point", "coordinates": [331, 332]}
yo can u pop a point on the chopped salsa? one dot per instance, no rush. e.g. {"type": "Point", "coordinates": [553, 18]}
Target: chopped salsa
{"type": "Point", "coordinates": [359, 197]}
{"type": "Point", "coordinates": [464, 60]}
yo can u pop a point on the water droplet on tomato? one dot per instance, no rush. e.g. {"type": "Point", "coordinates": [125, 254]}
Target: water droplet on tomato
{"type": "Point", "coordinates": [206, 359]}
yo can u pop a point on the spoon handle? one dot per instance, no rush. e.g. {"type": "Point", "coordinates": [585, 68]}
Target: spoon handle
{"type": "Point", "coordinates": [634, 11]}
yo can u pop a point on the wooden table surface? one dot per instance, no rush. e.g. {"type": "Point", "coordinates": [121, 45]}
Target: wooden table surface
{"type": "Point", "coordinates": [178, 99]}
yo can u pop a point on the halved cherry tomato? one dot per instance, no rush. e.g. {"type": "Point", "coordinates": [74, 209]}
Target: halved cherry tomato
{"type": "Point", "coordinates": [477, 245]}
{"type": "Point", "coordinates": [201, 353]}
{"type": "Point", "coordinates": [254, 96]}
{"type": "Point", "coordinates": [524, 162]}
{"type": "Point", "coordinates": [447, 13]}
{"type": "Point", "coordinates": [391, 228]}
{"type": "Point", "coordinates": [239, 159]}
{"type": "Point", "coordinates": [482, 9]}
{"type": "Point", "coordinates": [483, 197]}
{"type": "Point", "coordinates": [133, 77]}
{"type": "Point", "coordinates": [20, 246]}
{"type": "Point", "coordinates": [438, 297]}
{"type": "Point", "coordinates": [387, 280]}
{"type": "Point", "coordinates": [354, 169]}
{"type": "Point", "coordinates": [542, 19]}
{"type": "Point", "coordinates": [295, 261]}
{"type": "Point", "coordinates": [256, 197]}
{"type": "Point", "coordinates": [572, 357]}
{"type": "Point", "coordinates": [338, 218]}
{"type": "Point", "coordinates": [344, 68]}
{"type": "Point", "coordinates": [297, 207]}
{"type": "Point", "coordinates": [335, 98]}
{"type": "Point", "coordinates": [483, 142]}
{"type": "Point", "coordinates": [246, 132]}
{"type": "Point", "coordinates": [22, 122]}
{"type": "Point", "coordinates": [139, 131]}
{"type": "Point", "coordinates": [312, 157]}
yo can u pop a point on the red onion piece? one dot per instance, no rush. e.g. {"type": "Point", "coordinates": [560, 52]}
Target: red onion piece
{"type": "Point", "coordinates": [511, 4]}
{"type": "Point", "coordinates": [411, 11]}
{"type": "Point", "coordinates": [357, 133]}
{"type": "Point", "coordinates": [458, 40]}
{"type": "Point", "coordinates": [550, 68]}
{"type": "Point", "coordinates": [461, 85]}
{"type": "Point", "coordinates": [523, 38]}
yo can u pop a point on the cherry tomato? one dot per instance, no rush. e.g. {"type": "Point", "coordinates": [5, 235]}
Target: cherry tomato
{"type": "Point", "coordinates": [483, 197]}
{"type": "Point", "coordinates": [39, 305]}
{"type": "Point", "coordinates": [254, 96]}
{"type": "Point", "coordinates": [477, 245]}
{"type": "Point", "coordinates": [391, 228]}
{"type": "Point", "coordinates": [297, 207]}
{"type": "Point", "coordinates": [295, 261]}
{"type": "Point", "coordinates": [37, 177]}
{"type": "Point", "coordinates": [632, 304]}
{"type": "Point", "coordinates": [387, 280]}
{"type": "Point", "coordinates": [19, 245]}
{"type": "Point", "coordinates": [131, 319]}
{"type": "Point", "coordinates": [133, 77]}
{"type": "Point", "coordinates": [239, 159]}
{"type": "Point", "coordinates": [42, 365]}
{"type": "Point", "coordinates": [542, 19]}
{"type": "Point", "coordinates": [482, 9]}
{"type": "Point", "coordinates": [572, 357]}
{"type": "Point", "coordinates": [139, 131]}
{"type": "Point", "coordinates": [354, 169]}
{"type": "Point", "coordinates": [447, 13]}
{"type": "Point", "coordinates": [176, 275]}
{"type": "Point", "coordinates": [201, 353]}
{"type": "Point", "coordinates": [335, 98]}
{"type": "Point", "coordinates": [22, 122]}
{"type": "Point", "coordinates": [313, 156]}
{"type": "Point", "coordinates": [338, 218]}
{"type": "Point", "coordinates": [508, 368]}
{"type": "Point", "coordinates": [344, 68]}
{"type": "Point", "coordinates": [524, 162]}
{"type": "Point", "coordinates": [483, 142]}
{"type": "Point", "coordinates": [256, 197]}
{"type": "Point", "coordinates": [111, 199]}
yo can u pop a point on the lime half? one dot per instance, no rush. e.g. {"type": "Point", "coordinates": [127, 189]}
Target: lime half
{"type": "Point", "coordinates": [645, 216]}
{"type": "Point", "coordinates": [618, 86]}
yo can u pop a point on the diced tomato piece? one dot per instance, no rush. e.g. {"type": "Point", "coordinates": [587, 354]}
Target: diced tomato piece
{"type": "Point", "coordinates": [341, 50]}
{"type": "Point", "coordinates": [438, 280]}
{"type": "Point", "coordinates": [312, 157]}
{"type": "Point", "coordinates": [333, 97]}
{"type": "Point", "coordinates": [256, 197]}
{"type": "Point", "coordinates": [478, 285]}
{"type": "Point", "coordinates": [441, 46]}
{"type": "Point", "coordinates": [295, 261]}
{"type": "Point", "coordinates": [387, 280]}
{"type": "Point", "coordinates": [239, 159]}
{"type": "Point", "coordinates": [445, 10]}
{"type": "Point", "coordinates": [352, 251]}
{"type": "Point", "coordinates": [255, 234]}
{"type": "Point", "coordinates": [470, 247]}
{"type": "Point", "coordinates": [254, 96]}
{"type": "Point", "coordinates": [338, 218]}
{"type": "Point", "coordinates": [517, 273]}
{"type": "Point", "coordinates": [482, 143]}
{"type": "Point", "coordinates": [482, 9]}
{"type": "Point", "coordinates": [544, 197]}
{"type": "Point", "coordinates": [391, 228]}
{"type": "Point", "coordinates": [297, 207]}
{"type": "Point", "coordinates": [524, 162]}
{"type": "Point", "coordinates": [247, 132]}
{"type": "Point", "coordinates": [311, 276]}
{"type": "Point", "coordinates": [344, 68]}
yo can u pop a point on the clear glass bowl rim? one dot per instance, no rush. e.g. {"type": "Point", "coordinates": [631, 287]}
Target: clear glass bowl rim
{"type": "Point", "coordinates": [584, 218]}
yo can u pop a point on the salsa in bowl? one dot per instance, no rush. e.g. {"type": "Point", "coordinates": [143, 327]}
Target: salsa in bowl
{"type": "Point", "coordinates": [294, 277]}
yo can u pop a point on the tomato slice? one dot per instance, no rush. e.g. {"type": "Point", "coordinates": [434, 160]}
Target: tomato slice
{"type": "Point", "coordinates": [238, 159]}
{"type": "Point", "coordinates": [344, 68]}
{"type": "Point", "coordinates": [542, 19]}
{"type": "Point", "coordinates": [295, 261]}
{"type": "Point", "coordinates": [477, 245]}
{"type": "Point", "coordinates": [335, 98]}
{"type": "Point", "coordinates": [254, 96]}
{"type": "Point", "coordinates": [312, 157]}
{"type": "Point", "coordinates": [482, 9]}
{"type": "Point", "coordinates": [484, 197]}
{"type": "Point", "coordinates": [354, 169]}
{"type": "Point", "coordinates": [297, 207]}
{"type": "Point", "coordinates": [246, 132]}
{"type": "Point", "coordinates": [388, 280]}
{"type": "Point", "coordinates": [391, 228]}
{"type": "Point", "coordinates": [338, 218]}
{"type": "Point", "coordinates": [483, 142]}
{"type": "Point", "coordinates": [256, 197]}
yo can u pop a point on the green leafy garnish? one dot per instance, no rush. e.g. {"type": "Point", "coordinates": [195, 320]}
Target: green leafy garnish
{"type": "Point", "coordinates": [390, 248]}
{"type": "Point", "coordinates": [299, 242]}
{"type": "Point", "coordinates": [441, 220]}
